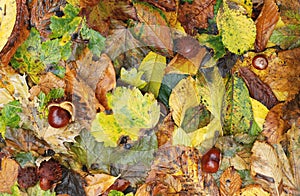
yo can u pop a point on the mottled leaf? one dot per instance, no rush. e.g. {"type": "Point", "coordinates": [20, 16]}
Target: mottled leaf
{"type": "Point", "coordinates": [230, 182]}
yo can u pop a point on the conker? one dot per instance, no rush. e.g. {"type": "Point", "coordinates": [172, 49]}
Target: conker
{"type": "Point", "coordinates": [211, 160]}
{"type": "Point", "coordinates": [260, 62]}
{"type": "Point", "coordinates": [58, 117]}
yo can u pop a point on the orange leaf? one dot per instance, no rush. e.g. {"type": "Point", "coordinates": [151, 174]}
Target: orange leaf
{"type": "Point", "coordinates": [265, 24]}
{"type": "Point", "coordinates": [230, 182]}
{"type": "Point", "coordinates": [8, 174]}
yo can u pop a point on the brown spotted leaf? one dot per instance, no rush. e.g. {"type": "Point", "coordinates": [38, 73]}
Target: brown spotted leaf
{"type": "Point", "coordinates": [41, 12]}
{"type": "Point", "coordinates": [265, 24]}
{"type": "Point", "coordinates": [195, 15]}
{"type": "Point", "coordinates": [19, 34]}
{"type": "Point", "coordinates": [230, 182]}
{"type": "Point", "coordinates": [257, 89]}
{"type": "Point", "coordinates": [291, 110]}
{"type": "Point", "coordinates": [8, 174]}
{"type": "Point", "coordinates": [165, 131]}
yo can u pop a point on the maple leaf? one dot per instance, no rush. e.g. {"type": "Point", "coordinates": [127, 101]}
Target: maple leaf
{"type": "Point", "coordinates": [265, 24]}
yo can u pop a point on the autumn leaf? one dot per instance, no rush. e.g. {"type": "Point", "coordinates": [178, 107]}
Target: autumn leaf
{"type": "Point", "coordinates": [253, 189]}
{"type": "Point", "coordinates": [265, 24]}
{"type": "Point", "coordinates": [153, 29]}
{"type": "Point", "coordinates": [153, 66]}
{"type": "Point", "coordinates": [8, 174]}
{"type": "Point", "coordinates": [230, 182]}
{"type": "Point", "coordinates": [265, 163]}
{"type": "Point", "coordinates": [237, 30]}
{"type": "Point", "coordinates": [36, 190]}
{"type": "Point", "coordinates": [98, 183]}
{"type": "Point", "coordinates": [133, 77]}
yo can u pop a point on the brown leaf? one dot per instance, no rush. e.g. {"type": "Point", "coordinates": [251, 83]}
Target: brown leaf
{"type": "Point", "coordinates": [99, 16]}
{"type": "Point", "coordinates": [257, 89]}
{"type": "Point", "coordinates": [274, 125]}
{"type": "Point", "coordinates": [153, 29]}
{"type": "Point", "coordinates": [230, 182]}
{"type": "Point", "coordinates": [195, 15]}
{"type": "Point", "coordinates": [19, 34]}
{"type": "Point", "coordinates": [8, 174]}
{"type": "Point", "coordinates": [41, 12]}
{"type": "Point", "coordinates": [165, 131]}
{"type": "Point", "coordinates": [176, 169]}
{"type": "Point", "coordinates": [291, 111]}
{"type": "Point", "coordinates": [253, 189]}
{"type": "Point", "coordinates": [47, 82]}
{"type": "Point", "coordinates": [265, 24]}
{"type": "Point", "coordinates": [88, 3]}
{"type": "Point", "coordinates": [266, 167]}
{"type": "Point", "coordinates": [98, 183]}
{"type": "Point", "coordinates": [166, 5]}
{"type": "Point", "coordinates": [119, 185]}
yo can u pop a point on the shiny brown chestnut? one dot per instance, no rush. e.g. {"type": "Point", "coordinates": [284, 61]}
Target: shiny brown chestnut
{"type": "Point", "coordinates": [260, 62]}
{"type": "Point", "coordinates": [210, 161]}
{"type": "Point", "coordinates": [60, 115]}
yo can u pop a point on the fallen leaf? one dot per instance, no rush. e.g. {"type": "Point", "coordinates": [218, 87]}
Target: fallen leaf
{"type": "Point", "coordinates": [165, 5]}
{"type": "Point", "coordinates": [230, 182]}
{"type": "Point", "coordinates": [291, 110]}
{"type": "Point", "coordinates": [153, 30]}
{"type": "Point", "coordinates": [19, 32]}
{"type": "Point", "coordinates": [266, 167]}
{"type": "Point", "coordinates": [265, 24]}
{"type": "Point", "coordinates": [195, 15]}
{"type": "Point", "coordinates": [257, 89]}
{"type": "Point", "coordinates": [98, 183]}
{"type": "Point", "coordinates": [118, 185]}
{"type": "Point", "coordinates": [8, 174]}
{"type": "Point", "coordinates": [274, 125]}
{"type": "Point", "coordinates": [165, 131]}
{"type": "Point", "coordinates": [253, 189]}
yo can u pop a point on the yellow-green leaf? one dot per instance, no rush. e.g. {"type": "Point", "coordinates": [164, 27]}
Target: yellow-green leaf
{"type": "Point", "coordinates": [259, 112]}
{"type": "Point", "coordinates": [237, 30]}
{"type": "Point", "coordinates": [153, 66]}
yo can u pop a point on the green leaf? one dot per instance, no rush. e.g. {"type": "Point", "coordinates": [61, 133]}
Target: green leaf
{"type": "Point", "coordinates": [132, 110]}
{"type": "Point", "coordinates": [287, 37]}
{"type": "Point", "coordinates": [96, 40]}
{"type": "Point", "coordinates": [25, 157]}
{"type": "Point", "coordinates": [50, 52]}
{"type": "Point", "coordinates": [168, 83]}
{"type": "Point", "coordinates": [133, 77]}
{"type": "Point", "coordinates": [88, 151]}
{"type": "Point", "coordinates": [153, 66]}
{"type": "Point", "coordinates": [53, 94]}
{"type": "Point", "coordinates": [180, 137]}
{"type": "Point", "coordinates": [10, 113]}
{"type": "Point", "coordinates": [115, 193]}
{"type": "Point", "coordinates": [67, 24]}
{"type": "Point", "coordinates": [15, 191]}
{"type": "Point", "coordinates": [27, 57]}
{"type": "Point", "coordinates": [238, 116]}
{"type": "Point", "coordinates": [237, 30]}
{"type": "Point", "coordinates": [214, 42]}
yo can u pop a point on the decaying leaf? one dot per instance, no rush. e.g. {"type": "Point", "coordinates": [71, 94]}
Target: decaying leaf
{"type": "Point", "coordinates": [153, 30]}
{"type": "Point", "coordinates": [195, 15]}
{"type": "Point", "coordinates": [253, 189]}
{"type": "Point", "coordinates": [98, 183]}
{"type": "Point", "coordinates": [165, 131]}
{"type": "Point", "coordinates": [165, 5]}
{"type": "Point", "coordinates": [266, 167]}
{"type": "Point", "coordinates": [41, 12]}
{"type": "Point", "coordinates": [237, 30]}
{"type": "Point", "coordinates": [19, 33]}
{"type": "Point", "coordinates": [257, 89]}
{"type": "Point", "coordinates": [265, 24]}
{"type": "Point", "coordinates": [274, 125]}
{"type": "Point", "coordinates": [8, 174]}
{"type": "Point", "coordinates": [230, 182]}
{"type": "Point", "coordinates": [291, 111]}
{"type": "Point", "coordinates": [176, 171]}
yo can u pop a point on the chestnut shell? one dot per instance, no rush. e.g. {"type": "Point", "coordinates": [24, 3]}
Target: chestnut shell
{"type": "Point", "coordinates": [58, 117]}
{"type": "Point", "coordinates": [260, 62]}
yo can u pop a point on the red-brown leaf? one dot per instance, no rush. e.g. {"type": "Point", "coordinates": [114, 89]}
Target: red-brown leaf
{"type": "Point", "coordinates": [265, 24]}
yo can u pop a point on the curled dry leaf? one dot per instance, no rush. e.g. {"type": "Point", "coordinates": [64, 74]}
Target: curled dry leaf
{"type": "Point", "coordinates": [230, 182]}
{"type": "Point", "coordinates": [195, 15]}
{"type": "Point", "coordinates": [41, 12]}
{"type": "Point", "coordinates": [265, 24]}
{"type": "Point", "coordinates": [165, 131]}
{"type": "Point", "coordinates": [266, 167]}
{"type": "Point", "coordinates": [291, 111]}
{"type": "Point", "coordinates": [47, 82]}
{"type": "Point", "coordinates": [257, 89]}
{"type": "Point", "coordinates": [8, 174]}
{"type": "Point", "coordinates": [98, 183]}
{"type": "Point", "coordinates": [19, 33]}
{"type": "Point", "coordinates": [274, 125]}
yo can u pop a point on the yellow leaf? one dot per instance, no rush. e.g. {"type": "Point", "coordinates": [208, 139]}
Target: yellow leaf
{"type": "Point", "coordinates": [253, 190]}
{"type": "Point", "coordinates": [8, 174]}
{"type": "Point", "coordinates": [8, 15]}
{"type": "Point", "coordinates": [259, 112]}
{"type": "Point", "coordinates": [98, 183]}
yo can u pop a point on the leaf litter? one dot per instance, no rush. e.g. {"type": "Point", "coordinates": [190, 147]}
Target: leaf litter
{"type": "Point", "coordinates": [153, 85]}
